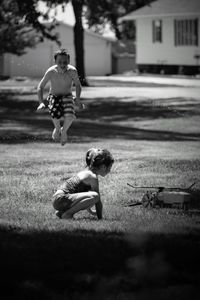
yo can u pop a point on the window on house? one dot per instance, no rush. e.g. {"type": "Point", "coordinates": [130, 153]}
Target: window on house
{"type": "Point", "coordinates": [186, 32]}
{"type": "Point", "coordinates": [157, 31]}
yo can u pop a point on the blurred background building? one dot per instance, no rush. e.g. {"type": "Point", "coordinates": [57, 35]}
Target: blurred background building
{"type": "Point", "coordinates": [98, 57]}
{"type": "Point", "coordinates": [167, 36]}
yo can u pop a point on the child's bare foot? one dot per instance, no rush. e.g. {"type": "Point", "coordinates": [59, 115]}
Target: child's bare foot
{"type": "Point", "coordinates": [56, 135]}
{"type": "Point", "coordinates": [66, 216]}
{"type": "Point", "coordinates": [58, 214]}
{"type": "Point", "coordinates": [41, 107]}
{"type": "Point", "coordinates": [63, 137]}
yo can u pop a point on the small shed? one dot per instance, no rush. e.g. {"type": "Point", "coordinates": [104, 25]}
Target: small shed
{"type": "Point", "coordinates": [97, 51]}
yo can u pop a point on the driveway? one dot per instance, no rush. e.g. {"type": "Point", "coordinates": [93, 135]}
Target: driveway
{"type": "Point", "coordinates": [141, 93]}
{"type": "Point", "coordinates": [160, 80]}
{"type": "Point", "coordinates": [124, 88]}
{"type": "Point", "coordinates": [138, 87]}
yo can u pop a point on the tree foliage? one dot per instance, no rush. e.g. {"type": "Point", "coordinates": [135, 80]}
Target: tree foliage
{"type": "Point", "coordinates": [100, 13]}
{"type": "Point", "coordinates": [20, 26]}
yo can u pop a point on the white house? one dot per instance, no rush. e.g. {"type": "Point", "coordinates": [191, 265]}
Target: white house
{"type": "Point", "coordinates": [167, 36]}
{"type": "Point", "coordinates": [97, 51]}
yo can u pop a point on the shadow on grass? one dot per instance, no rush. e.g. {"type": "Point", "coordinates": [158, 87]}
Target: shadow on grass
{"type": "Point", "coordinates": [59, 261]}
{"type": "Point", "coordinates": [112, 109]}
{"type": "Point", "coordinates": [103, 118]}
{"type": "Point", "coordinates": [98, 265]}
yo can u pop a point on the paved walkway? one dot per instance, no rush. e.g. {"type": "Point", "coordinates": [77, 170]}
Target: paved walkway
{"type": "Point", "coordinates": [164, 87]}
{"type": "Point", "coordinates": [173, 81]}
{"type": "Point", "coordinates": [148, 79]}
{"type": "Point", "coordinates": [141, 93]}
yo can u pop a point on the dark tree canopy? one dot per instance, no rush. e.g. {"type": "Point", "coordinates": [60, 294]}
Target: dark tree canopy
{"type": "Point", "coordinates": [20, 26]}
{"type": "Point", "coordinates": [100, 13]}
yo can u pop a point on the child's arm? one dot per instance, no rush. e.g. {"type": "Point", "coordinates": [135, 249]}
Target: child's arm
{"type": "Point", "coordinates": [40, 90]}
{"type": "Point", "coordinates": [77, 83]}
{"type": "Point", "coordinates": [78, 94]}
{"type": "Point", "coordinates": [99, 209]}
{"type": "Point", "coordinates": [98, 205]}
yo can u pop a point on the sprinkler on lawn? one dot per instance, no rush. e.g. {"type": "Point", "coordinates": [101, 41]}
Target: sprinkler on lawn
{"type": "Point", "coordinates": [164, 196]}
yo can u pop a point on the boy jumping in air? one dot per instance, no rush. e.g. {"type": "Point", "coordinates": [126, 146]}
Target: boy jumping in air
{"type": "Point", "coordinates": [61, 102]}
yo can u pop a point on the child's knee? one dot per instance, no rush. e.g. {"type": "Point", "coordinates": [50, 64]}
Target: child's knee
{"type": "Point", "coordinates": [69, 117]}
{"type": "Point", "coordinates": [95, 197]}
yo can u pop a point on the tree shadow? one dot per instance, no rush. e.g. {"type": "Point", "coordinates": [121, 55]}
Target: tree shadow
{"type": "Point", "coordinates": [59, 261]}
{"type": "Point", "coordinates": [79, 264]}
{"type": "Point", "coordinates": [112, 109]}
{"type": "Point", "coordinates": [102, 118]}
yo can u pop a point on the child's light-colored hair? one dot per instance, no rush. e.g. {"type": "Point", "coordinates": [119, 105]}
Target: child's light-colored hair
{"type": "Point", "coordinates": [96, 157]}
{"type": "Point", "coordinates": [61, 52]}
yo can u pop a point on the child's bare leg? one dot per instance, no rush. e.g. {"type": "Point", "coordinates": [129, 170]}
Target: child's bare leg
{"type": "Point", "coordinates": [56, 131]}
{"type": "Point", "coordinates": [82, 201]}
{"type": "Point", "coordinates": [68, 119]}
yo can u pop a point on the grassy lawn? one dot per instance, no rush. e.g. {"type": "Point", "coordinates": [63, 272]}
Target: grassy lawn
{"type": "Point", "coordinates": [133, 253]}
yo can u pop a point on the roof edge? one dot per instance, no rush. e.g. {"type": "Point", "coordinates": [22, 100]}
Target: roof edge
{"type": "Point", "coordinates": [90, 32]}
{"type": "Point", "coordinates": [129, 18]}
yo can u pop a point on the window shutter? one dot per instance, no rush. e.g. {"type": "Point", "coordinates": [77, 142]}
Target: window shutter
{"type": "Point", "coordinates": [153, 31]}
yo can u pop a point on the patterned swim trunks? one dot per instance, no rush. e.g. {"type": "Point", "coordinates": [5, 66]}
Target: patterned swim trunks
{"type": "Point", "coordinates": [60, 106]}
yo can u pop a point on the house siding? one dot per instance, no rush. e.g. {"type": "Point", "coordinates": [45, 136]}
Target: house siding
{"type": "Point", "coordinates": [97, 56]}
{"type": "Point", "coordinates": [166, 52]}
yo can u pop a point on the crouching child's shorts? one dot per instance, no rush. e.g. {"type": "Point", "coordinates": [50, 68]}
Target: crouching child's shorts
{"type": "Point", "coordinates": [60, 105]}
{"type": "Point", "coordinates": [61, 201]}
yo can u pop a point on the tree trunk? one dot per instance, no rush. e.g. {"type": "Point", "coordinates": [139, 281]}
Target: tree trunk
{"type": "Point", "coordinates": [79, 40]}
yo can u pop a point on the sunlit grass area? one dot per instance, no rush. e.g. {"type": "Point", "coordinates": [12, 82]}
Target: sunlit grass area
{"type": "Point", "coordinates": [134, 252]}
{"type": "Point", "coordinates": [30, 174]}
{"type": "Point", "coordinates": [130, 251]}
